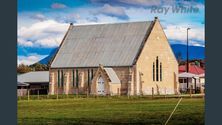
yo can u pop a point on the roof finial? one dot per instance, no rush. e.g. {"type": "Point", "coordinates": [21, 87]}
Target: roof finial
{"type": "Point", "coordinates": [155, 18]}
{"type": "Point", "coordinates": [101, 66]}
{"type": "Point", "coordinates": [71, 23]}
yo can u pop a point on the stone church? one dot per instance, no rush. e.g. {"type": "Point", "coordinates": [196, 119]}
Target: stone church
{"type": "Point", "coordinates": [131, 58]}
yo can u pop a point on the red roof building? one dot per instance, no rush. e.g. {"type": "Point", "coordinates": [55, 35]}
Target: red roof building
{"type": "Point", "coordinates": [192, 69]}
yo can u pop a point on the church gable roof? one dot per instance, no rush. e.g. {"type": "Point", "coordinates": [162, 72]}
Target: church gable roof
{"type": "Point", "coordinates": [112, 75]}
{"type": "Point", "coordinates": [107, 44]}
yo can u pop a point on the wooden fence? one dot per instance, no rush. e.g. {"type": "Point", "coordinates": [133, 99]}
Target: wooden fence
{"type": "Point", "coordinates": [75, 96]}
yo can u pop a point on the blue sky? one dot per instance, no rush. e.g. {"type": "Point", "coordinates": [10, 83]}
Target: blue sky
{"type": "Point", "coordinates": [43, 23]}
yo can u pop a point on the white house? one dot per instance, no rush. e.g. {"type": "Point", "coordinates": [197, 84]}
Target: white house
{"type": "Point", "coordinates": [195, 77]}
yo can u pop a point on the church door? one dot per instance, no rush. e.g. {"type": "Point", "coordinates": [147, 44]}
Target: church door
{"type": "Point", "coordinates": [101, 86]}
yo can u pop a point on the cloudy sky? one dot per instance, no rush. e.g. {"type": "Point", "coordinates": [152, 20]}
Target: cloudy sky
{"type": "Point", "coordinates": [43, 23]}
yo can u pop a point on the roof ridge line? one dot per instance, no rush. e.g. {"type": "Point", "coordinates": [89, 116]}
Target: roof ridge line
{"type": "Point", "coordinates": [93, 24]}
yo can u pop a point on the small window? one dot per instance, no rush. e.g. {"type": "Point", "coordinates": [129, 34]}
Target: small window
{"type": "Point", "coordinates": [91, 74]}
{"type": "Point", "coordinates": [58, 78]}
{"type": "Point", "coordinates": [157, 69]}
{"type": "Point", "coordinates": [62, 79]}
{"type": "Point", "coordinates": [73, 77]}
{"type": "Point", "coordinates": [153, 71]}
{"type": "Point", "coordinates": [180, 80]}
{"type": "Point", "coordinates": [160, 71]}
{"type": "Point", "coordinates": [88, 77]}
{"type": "Point", "coordinates": [77, 78]}
{"type": "Point", "coordinates": [184, 80]}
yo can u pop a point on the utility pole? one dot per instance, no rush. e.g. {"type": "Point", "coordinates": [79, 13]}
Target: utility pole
{"type": "Point", "coordinates": [187, 58]}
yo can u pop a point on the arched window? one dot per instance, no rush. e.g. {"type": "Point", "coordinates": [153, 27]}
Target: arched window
{"type": "Point", "coordinates": [58, 78]}
{"type": "Point", "coordinates": [77, 78]}
{"type": "Point", "coordinates": [161, 72]}
{"type": "Point", "coordinates": [153, 71]}
{"type": "Point", "coordinates": [62, 78]}
{"type": "Point", "coordinates": [73, 77]}
{"type": "Point", "coordinates": [157, 69]}
{"type": "Point", "coordinates": [88, 77]}
{"type": "Point", "coordinates": [91, 74]}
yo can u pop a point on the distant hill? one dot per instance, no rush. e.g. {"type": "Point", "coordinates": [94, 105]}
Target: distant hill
{"type": "Point", "coordinates": [47, 59]}
{"type": "Point", "coordinates": [195, 52]}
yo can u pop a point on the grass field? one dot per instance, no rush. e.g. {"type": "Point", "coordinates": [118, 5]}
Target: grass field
{"type": "Point", "coordinates": [110, 111]}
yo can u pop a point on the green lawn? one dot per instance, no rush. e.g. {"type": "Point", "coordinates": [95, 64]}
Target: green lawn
{"type": "Point", "coordinates": [110, 111]}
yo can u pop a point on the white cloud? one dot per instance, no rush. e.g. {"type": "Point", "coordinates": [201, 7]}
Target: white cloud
{"type": "Point", "coordinates": [131, 2]}
{"type": "Point", "coordinates": [148, 3]}
{"type": "Point", "coordinates": [49, 42]}
{"type": "Point", "coordinates": [47, 33]}
{"type": "Point", "coordinates": [113, 11]}
{"type": "Point", "coordinates": [31, 59]}
{"type": "Point", "coordinates": [24, 43]}
{"type": "Point", "coordinates": [179, 33]}
{"type": "Point", "coordinates": [38, 16]}
{"type": "Point", "coordinates": [196, 43]}
{"type": "Point", "coordinates": [142, 2]}
{"type": "Point", "coordinates": [70, 17]}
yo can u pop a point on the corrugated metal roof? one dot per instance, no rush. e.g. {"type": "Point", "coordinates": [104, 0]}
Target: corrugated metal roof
{"type": "Point", "coordinates": [187, 75]}
{"type": "Point", "coordinates": [192, 69]}
{"type": "Point", "coordinates": [34, 77]}
{"type": "Point", "coordinates": [106, 44]}
{"type": "Point", "coordinates": [22, 84]}
{"type": "Point", "coordinates": [112, 75]}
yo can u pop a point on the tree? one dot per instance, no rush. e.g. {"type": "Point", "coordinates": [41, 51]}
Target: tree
{"type": "Point", "coordinates": [197, 63]}
{"type": "Point", "coordinates": [22, 68]}
{"type": "Point", "coordinates": [39, 67]}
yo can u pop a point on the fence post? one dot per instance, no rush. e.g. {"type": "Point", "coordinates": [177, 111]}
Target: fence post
{"type": "Point", "coordinates": [47, 94]}
{"type": "Point", "coordinates": [28, 95]}
{"type": "Point", "coordinates": [87, 92]}
{"type": "Point", "coordinates": [19, 94]}
{"type": "Point", "coordinates": [165, 92]}
{"type": "Point", "coordinates": [191, 91]}
{"type": "Point", "coordinates": [57, 96]}
{"type": "Point", "coordinates": [38, 94]}
{"type": "Point", "coordinates": [73, 93]}
{"type": "Point", "coordinates": [152, 92]}
{"type": "Point", "coordinates": [77, 92]}
{"type": "Point", "coordinates": [118, 92]}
